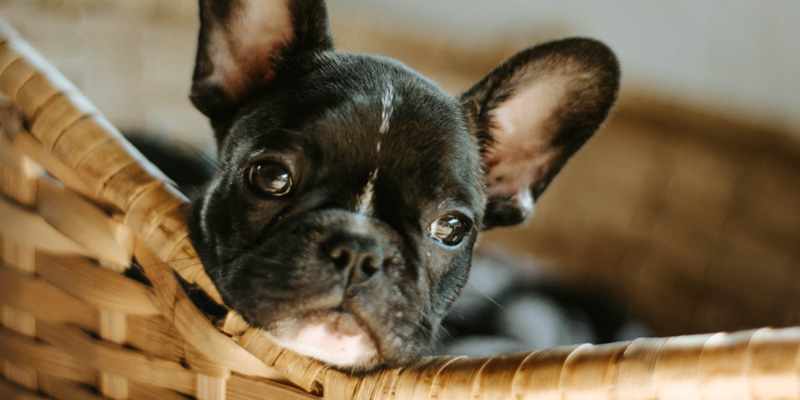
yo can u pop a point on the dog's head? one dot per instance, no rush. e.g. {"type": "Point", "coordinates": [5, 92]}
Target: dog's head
{"type": "Point", "coordinates": [350, 189]}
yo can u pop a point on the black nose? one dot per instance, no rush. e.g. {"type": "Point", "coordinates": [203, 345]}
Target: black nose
{"type": "Point", "coordinates": [357, 258]}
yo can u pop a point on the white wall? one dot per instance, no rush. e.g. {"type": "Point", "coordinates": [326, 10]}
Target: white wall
{"type": "Point", "coordinates": [739, 56]}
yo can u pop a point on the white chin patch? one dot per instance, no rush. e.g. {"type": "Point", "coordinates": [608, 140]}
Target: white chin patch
{"type": "Point", "coordinates": [333, 337]}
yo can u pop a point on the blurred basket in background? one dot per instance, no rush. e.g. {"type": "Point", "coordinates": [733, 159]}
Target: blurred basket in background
{"type": "Point", "coordinates": [692, 220]}
{"type": "Point", "coordinates": [79, 205]}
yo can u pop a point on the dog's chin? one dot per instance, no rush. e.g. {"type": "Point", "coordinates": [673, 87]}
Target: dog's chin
{"type": "Point", "coordinates": [334, 337]}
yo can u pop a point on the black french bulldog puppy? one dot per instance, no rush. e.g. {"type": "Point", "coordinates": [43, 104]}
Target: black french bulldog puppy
{"type": "Point", "coordinates": [350, 189]}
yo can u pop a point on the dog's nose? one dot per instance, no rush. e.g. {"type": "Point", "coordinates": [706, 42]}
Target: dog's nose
{"type": "Point", "coordinates": [357, 258]}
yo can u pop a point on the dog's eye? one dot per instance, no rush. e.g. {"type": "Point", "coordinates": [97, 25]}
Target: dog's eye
{"type": "Point", "coordinates": [450, 230]}
{"type": "Point", "coordinates": [270, 179]}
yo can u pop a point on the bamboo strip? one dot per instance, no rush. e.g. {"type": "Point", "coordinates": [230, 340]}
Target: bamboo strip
{"type": "Point", "coordinates": [639, 358]}
{"type": "Point", "coordinates": [39, 89]}
{"type": "Point", "coordinates": [591, 371]}
{"type": "Point", "coordinates": [723, 362]}
{"type": "Point", "coordinates": [380, 387]}
{"type": "Point", "coordinates": [85, 224]}
{"type": "Point", "coordinates": [19, 257]}
{"type": "Point", "coordinates": [10, 391]}
{"type": "Point", "coordinates": [542, 371]}
{"type": "Point", "coordinates": [133, 181]}
{"type": "Point", "coordinates": [12, 317]}
{"type": "Point", "coordinates": [451, 382]}
{"type": "Point", "coordinates": [768, 361]}
{"type": "Point", "coordinates": [103, 162]}
{"type": "Point", "coordinates": [147, 214]}
{"type": "Point", "coordinates": [19, 184]}
{"type": "Point", "coordinates": [234, 324]}
{"type": "Point", "coordinates": [81, 139]}
{"type": "Point", "coordinates": [20, 288]}
{"type": "Point", "coordinates": [113, 328]}
{"type": "Point", "coordinates": [157, 337]}
{"type": "Point", "coordinates": [14, 180]}
{"type": "Point", "coordinates": [202, 365]}
{"type": "Point", "coordinates": [25, 227]}
{"type": "Point", "coordinates": [8, 55]}
{"type": "Point", "coordinates": [303, 372]}
{"type": "Point", "coordinates": [45, 358]}
{"type": "Point", "coordinates": [59, 113]}
{"type": "Point", "coordinates": [210, 388]}
{"type": "Point", "coordinates": [66, 390]}
{"type": "Point", "coordinates": [337, 385]}
{"type": "Point", "coordinates": [416, 381]}
{"type": "Point", "coordinates": [144, 392]}
{"type": "Point", "coordinates": [114, 386]}
{"type": "Point", "coordinates": [23, 376]}
{"type": "Point", "coordinates": [96, 286]}
{"type": "Point", "coordinates": [13, 49]}
{"type": "Point", "coordinates": [160, 217]}
{"type": "Point", "coordinates": [185, 261]}
{"type": "Point", "coordinates": [24, 143]}
{"type": "Point", "coordinates": [14, 76]}
{"type": "Point", "coordinates": [192, 324]}
{"type": "Point", "coordinates": [677, 367]}
{"type": "Point", "coordinates": [115, 359]}
{"type": "Point", "coordinates": [241, 388]}
{"type": "Point", "coordinates": [495, 385]}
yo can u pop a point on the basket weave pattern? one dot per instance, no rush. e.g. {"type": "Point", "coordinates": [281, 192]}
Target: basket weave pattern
{"type": "Point", "coordinates": [79, 205]}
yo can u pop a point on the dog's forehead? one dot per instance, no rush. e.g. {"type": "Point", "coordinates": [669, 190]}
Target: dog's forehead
{"type": "Point", "coordinates": [402, 129]}
{"type": "Point", "coordinates": [381, 99]}
{"type": "Point", "coordinates": [363, 120]}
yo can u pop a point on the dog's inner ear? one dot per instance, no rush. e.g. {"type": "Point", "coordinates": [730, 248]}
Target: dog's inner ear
{"type": "Point", "coordinates": [242, 42]}
{"type": "Point", "coordinates": [532, 113]}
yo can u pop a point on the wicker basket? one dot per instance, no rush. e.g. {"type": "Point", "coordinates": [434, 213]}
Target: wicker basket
{"type": "Point", "coordinates": [79, 205]}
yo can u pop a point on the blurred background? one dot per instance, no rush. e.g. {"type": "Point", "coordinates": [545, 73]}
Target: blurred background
{"type": "Point", "coordinates": [685, 207]}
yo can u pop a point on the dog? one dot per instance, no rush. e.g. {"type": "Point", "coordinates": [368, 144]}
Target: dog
{"type": "Point", "coordinates": [350, 190]}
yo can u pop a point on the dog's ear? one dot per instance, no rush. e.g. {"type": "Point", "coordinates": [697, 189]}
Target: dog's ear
{"type": "Point", "coordinates": [242, 44]}
{"type": "Point", "coordinates": [532, 113]}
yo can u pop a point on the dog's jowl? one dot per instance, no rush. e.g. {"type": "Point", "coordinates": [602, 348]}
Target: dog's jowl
{"type": "Point", "coordinates": [350, 189]}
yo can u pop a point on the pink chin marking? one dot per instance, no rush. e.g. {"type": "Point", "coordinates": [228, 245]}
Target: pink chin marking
{"type": "Point", "coordinates": [329, 336]}
{"type": "Point", "coordinates": [320, 336]}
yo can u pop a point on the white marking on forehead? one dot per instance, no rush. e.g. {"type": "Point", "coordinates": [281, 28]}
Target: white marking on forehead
{"type": "Point", "coordinates": [386, 111]}
{"type": "Point", "coordinates": [365, 199]}
{"type": "Point", "coordinates": [360, 225]}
